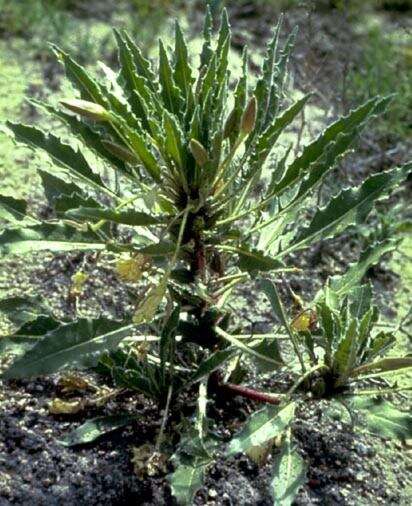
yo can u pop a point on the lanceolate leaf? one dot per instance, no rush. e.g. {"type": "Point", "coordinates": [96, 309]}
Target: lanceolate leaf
{"type": "Point", "coordinates": [348, 207]}
{"type": "Point", "coordinates": [182, 71]}
{"type": "Point", "coordinates": [384, 419]}
{"type": "Point", "coordinates": [63, 154]}
{"type": "Point", "coordinates": [262, 426]}
{"type": "Point", "coordinates": [78, 343]}
{"type": "Point", "coordinates": [133, 218]}
{"type": "Point", "coordinates": [314, 150]}
{"type": "Point", "coordinates": [289, 474]}
{"type": "Point", "coordinates": [48, 236]}
{"type": "Point", "coordinates": [212, 363]}
{"type": "Point", "coordinates": [93, 429]}
{"type": "Point", "coordinates": [91, 138]}
{"type": "Point", "coordinates": [255, 261]}
{"type": "Point", "coordinates": [272, 294]}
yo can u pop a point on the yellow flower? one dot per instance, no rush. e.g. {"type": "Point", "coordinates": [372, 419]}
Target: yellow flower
{"type": "Point", "coordinates": [131, 269]}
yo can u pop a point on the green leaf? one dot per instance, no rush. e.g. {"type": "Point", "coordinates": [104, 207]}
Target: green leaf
{"type": "Point", "coordinates": [182, 70]}
{"type": "Point", "coordinates": [341, 285]}
{"type": "Point", "coordinates": [62, 154]}
{"type": "Point", "coordinates": [314, 150]}
{"type": "Point", "coordinates": [351, 206]}
{"type": "Point", "coordinates": [262, 426]}
{"type": "Point", "coordinates": [91, 138]}
{"type": "Point", "coordinates": [21, 310]}
{"type": "Point", "coordinates": [48, 236]}
{"type": "Point", "coordinates": [252, 260]}
{"type": "Point", "coordinates": [12, 209]}
{"type": "Point", "coordinates": [93, 429]}
{"type": "Point", "coordinates": [80, 78]}
{"type": "Point", "coordinates": [210, 364]}
{"type": "Point", "coordinates": [269, 348]}
{"type": "Point", "coordinates": [185, 481]}
{"type": "Point", "coordinates": [78, 343]}
{"type": "Point", "coordinates": [55, 187]}
{"type": "Point", "coordinates": [383, 419]}
{"type": "Point", "coordinates": [271, 292]}
{"type": "Point", "coordinates": [130, 217]}
{"type": "Point", "coordinates": [170, 92]}
{"type": "Point", "coordinates": [289, 474]}
{"type": "Point", "coordinates": [384, 365]}
{"type": "Point", "coordinates": [266, 141]}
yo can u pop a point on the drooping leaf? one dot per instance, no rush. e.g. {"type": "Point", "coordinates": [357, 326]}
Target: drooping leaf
{"type": "Point", "coordinates": [78, 344]}
{"type": "Point", "coordinates": [62, 154]}
{"type": "Point", "coordinates": [289, 474]}
{"type": "Point", "coordinates": [93, 429]}
{"type": "Point", "coordinates": [383, 418]}
{"type": "Point", "coordinates": [262, 426]}
{"type": "Point", "coordinates": [91, 138]}
{"type": "Point", "coordinates": [12, 209]}
{"type": "Point", "coordinates": [130, 217]}
{"type": "Point", "coordinates": [48, 236]}
{"type": "Point", "coordinates": [21, 310]}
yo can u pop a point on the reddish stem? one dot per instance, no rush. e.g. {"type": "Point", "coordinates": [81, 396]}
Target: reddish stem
{"type": "Point", "coordinates": [249, 393]}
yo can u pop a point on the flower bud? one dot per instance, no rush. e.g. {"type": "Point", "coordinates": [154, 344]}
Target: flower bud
{"type": "Point", "coordinates": [199, 152]}
{"type": "Point", "coordinates": [120, 152]}
{"type": "Point", "coordinates": [89, 110]}
{"type": "Point", "coordinates": [249, 117]}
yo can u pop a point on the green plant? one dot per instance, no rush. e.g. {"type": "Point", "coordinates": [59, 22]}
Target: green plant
{"type": "Point", "coordinates": [184, 163]}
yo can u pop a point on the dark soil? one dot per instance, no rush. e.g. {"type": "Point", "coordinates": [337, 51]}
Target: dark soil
{"type": "Point", "coordinates": [343, 467]}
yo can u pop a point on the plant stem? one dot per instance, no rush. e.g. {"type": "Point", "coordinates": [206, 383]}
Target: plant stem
{"type": "Point", "coordinates": [251, 394]}
{"type": "Point", "coordinates": [164, 420]}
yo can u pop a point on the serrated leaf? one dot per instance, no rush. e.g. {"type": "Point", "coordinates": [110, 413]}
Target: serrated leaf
{"type": "Point", "coordinates": [266, 141]}
{"type": "Point", "coordinates": [130, 217]}
{"type": "Point", "coordinates": [48, 236]}
{"type": "Point", "coordinates": [182, 70]}
{"type": "Point", "coordinates": [55, 188]}
{"type": "Point", "coordinates": [78, 344]}
{"type": "Point", "coordinates": [93, 429]}
{"type": "Point", "coordinates": [384, 419]}
{"type": "Point", "coordinates": [91, 138]}
{"type": "Point", "coordinates": [185, 481]}
{"type": "Point", "coordinates": [12, 209]}
{"type": "Point", "coordinates": [289, 474]}
{"type": "Point", "coordinates": [262, 426]}
{"type": "Point", "coordinates": [351, 206]}
{"type": "Point", "coordinates": [62, 154]}
{"type": "Point", "coordinates": [170, 92]}
{"type": "Point", "coordinates": [315, 149]}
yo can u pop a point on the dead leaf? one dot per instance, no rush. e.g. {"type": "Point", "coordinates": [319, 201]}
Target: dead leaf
{"type": "Point", "coordinates": [73, 383]}
{"type": "Point", "coordinates": [62, 407]}
{"type": "Point", "coordinates": [148, 462]}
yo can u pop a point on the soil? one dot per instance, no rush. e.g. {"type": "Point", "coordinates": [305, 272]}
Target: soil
{"type": "Point", "coordinates": [343, 467]}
